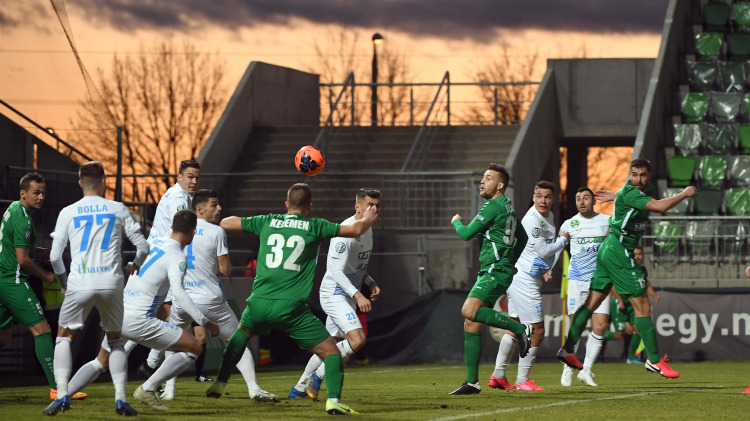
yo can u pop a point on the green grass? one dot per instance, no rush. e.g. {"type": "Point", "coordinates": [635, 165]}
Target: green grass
{"type": "Point", "coordinates": [420, 392]}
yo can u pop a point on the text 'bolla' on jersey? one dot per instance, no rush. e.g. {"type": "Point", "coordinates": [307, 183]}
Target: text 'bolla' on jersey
{"type": "Point", "coordinates": [202, 282]}
{"type": "Point", "coordinates": [346, 265]}
{"type": "Point", "coordinates": [287, 254]}
{"type": "Point", "coordinates": [586, 235]}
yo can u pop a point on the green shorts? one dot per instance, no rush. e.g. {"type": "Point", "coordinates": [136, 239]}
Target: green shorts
{"type": "Point", "coordinates": [491, 284]}
{"type": "Point", "coordinates": [291, 317]}
{"type": "Point", "coordinates": [620, 317]}
{"type": "Point", "coordinates": [614, 266]}
{"type": "Point", "coordinates": [18, 303]}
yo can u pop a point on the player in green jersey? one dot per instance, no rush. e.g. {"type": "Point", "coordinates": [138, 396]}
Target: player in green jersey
{"type": "Point", "coordinates": [286, 266]}
{"type": "Point", "coordinates": [17, 252]}
{"type": "Point", "coordinates": [616, 265]}
{"type": "Point", "coordinates": [501, 244]}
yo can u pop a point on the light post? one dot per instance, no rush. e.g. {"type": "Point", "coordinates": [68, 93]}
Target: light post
{"type": "Point", "coordinates": [376, 39]}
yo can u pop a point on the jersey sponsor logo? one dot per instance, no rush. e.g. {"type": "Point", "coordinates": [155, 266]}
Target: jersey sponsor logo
{"type": "Point", "coordinates": [641, 226]}
{"type": "Point", "coordinates": [542, 224]}
{"type": "Point", "coordinates": [509, 207]}
{"type": "Point", "coordinates": [536, 232]}
{"type": "Point", "coordinates": [194, 284]}
{"type": "Point", "coordinates": [181, 207]}
{"type": "Point", "coordinates": [290, 223]}
{"type": "Point", "coordinates": [340, 247]}
{"type": "Point", "coordinates": [130, 293]}
{"type": "Point", "coordinates": [480, 218]}
{"type": "Point", "coordinates": [83, 269]}
{"type": "Point", "coordinates": [183, 267]}
{"type": "Point", "coordinates": [364, 255]}
{"type": "Point", "coordinates": [574, 224]}
{"type": "Point", "coordinates": [28, 234]}
{"type": "Point", "coordinates": [92, 208]}
{"type": "Point", "coordinates": [586, 240]}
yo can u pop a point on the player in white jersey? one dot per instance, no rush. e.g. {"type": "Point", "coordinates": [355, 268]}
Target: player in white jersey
{"type": "Point", "coordinates": [587, 229]}
{"type": "Point", "coordinates": [340, 295]}
{"type": "Point", "coordinates": [524, 294]}
{"type": "Point", "coordinates": [163, 270]}
{"type": "Point", "coordinates": [94, 228]}
{"type": "Point", "coordinates": [207, 255]}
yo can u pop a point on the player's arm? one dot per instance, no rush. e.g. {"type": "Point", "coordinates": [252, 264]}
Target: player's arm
{"type": "Point", "coordinates": [59, 241]}
{"type": "Point", "coordinates": [337, 264]}
{"type": "Point", "coordinates": [620, 302]}
{"type": "Point", "coordinates": [663, 205]}
{"type": "Point", "coordinates": [652, 292]}
{"type": "Point", "coordinates": [484, 218]}
{"type": "Point", "coordinates": [374, 288]}
{"type": "Point", "coordinates": [29, 265]}
{"type": "Point", "coordinates": [361, 225]}
{"type": "Point", "coordinates": [176, 275]}
{"type": "Point", "coordinates": [222, 253]}
{"type": "Point", "coordinates": [231, 223]}
{"type": "Point", "coordinates": [132, 230]}
{"type": "Point", "coordinates": [225, 267]}
{"type": "Point", "coordinates": [544, 249]}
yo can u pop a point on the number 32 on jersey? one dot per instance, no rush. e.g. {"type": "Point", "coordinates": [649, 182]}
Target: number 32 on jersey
{"type": "Point", "coordinates": [276, 257]}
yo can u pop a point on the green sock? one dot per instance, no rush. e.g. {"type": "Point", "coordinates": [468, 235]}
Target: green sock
{"type": "Point", "coordinates": [577, 324]}
{"type": "Point", "coordinates": [232, 354]}
{"type": "Point", "coordinates": [491, 317]}
{"type": "Point", "coordinates": [472, 353]}
{"type": "Point", "coordinates": [635, 342]}
{"type": "Point", "coordinates": [45, 353]}
{"type": "Point", "coordinates": [334, 375]}
{"type": "Point", "coordinates": [609, 335]}
{"type": "Point", "coordinates": [648, 335]}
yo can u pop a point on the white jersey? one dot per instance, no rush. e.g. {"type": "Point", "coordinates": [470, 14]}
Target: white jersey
{"type": "Point", "coordinates": [346, 265]}
{"type": "Point", "coordinates": [201, 280]}
{"type": "Point", "coordinates": [586, 235]}
{"type": "Point", "coordinates": [541, 250]}
{"type": "Point", "coordinates": [175, 199]}
{"type": "Point", "coordinates": [164, 269]}
{"type": "Point", "coordinates": [94, 227]}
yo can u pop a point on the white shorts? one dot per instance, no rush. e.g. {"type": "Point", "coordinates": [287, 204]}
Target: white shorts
{"type": "Point", "coordinates": [221, 314]}
{"type": "Point", "coordinates": [342, 315]}
{"type": "Point", "coordinates": [578, 291]}
{"type": "Point", "coordinates": [151, 333]}
{"type": "Point", "coordinates": [77, 305]}
{"type": "Point", "coordinates": [525, 298]}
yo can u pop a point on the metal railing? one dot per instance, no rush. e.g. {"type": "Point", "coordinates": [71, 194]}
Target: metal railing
{"type": "Point", "coordinates": [698, 251]}
{"type": "Point", "coordinates": [417, 157]}
{"type": "Point", "coordinates": [325, 137]}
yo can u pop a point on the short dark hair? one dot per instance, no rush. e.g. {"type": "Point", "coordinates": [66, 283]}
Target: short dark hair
{"type": "Point", "coordinates": [504, 175]}
{"type": "Point", "coordinates": [299, 196]}
{"type": "Point", "coordinates": [28, 178]}
{"type": "Point", "coordinates": [367, 192]}
{"type": "Point", "coordinates": [201, 196]}
{"type": "Point", "coordinates": [184, 221]}
{"type": "Point", "coordinates": [583, 189]}
{"type": "Point", "coordinates": [641, 163]}
{"type": "Point", "coordinates": [638, 248]}
{"type": "Point", "coordinates": [188, 163]}
{"type": "Point", "coordinates": [91, 174]}
{"type": "Point", "coordinates": [547, 185]}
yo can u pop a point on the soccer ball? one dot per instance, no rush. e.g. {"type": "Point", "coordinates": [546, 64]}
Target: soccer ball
{"type": "Point", "coordinates": [309, 160]}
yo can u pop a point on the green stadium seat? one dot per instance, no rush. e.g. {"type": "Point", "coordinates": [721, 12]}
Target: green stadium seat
{"type": "Point", "coordinates": [732, 75]}
{"type": "Point", "coordinates": [739, 171]}
{"type": "Point", "coordinates": [716, 16]}
{"type": "Point", "coordinates": [708, 45]}
{"type": "Point", "coordinates": [719, 138]}
{"type": "Point", "coordinates": [708, 201]}
{"type": "Point", "coordinates": [700, 235]}
{"type": "Point", "coordinates": [738, 45]}
{"type": "Point", "coordinates": [687, 138]}
{"type": "Point", "coordinates": [725, 107]}
{"type": "Point", "coordinates": [746, 104]}
{"type": "Point", "coordinates": [712, 169]}
{"type": "Point", "coordinates": [680, 169]}
{"type": "Point", "coordinates": [741, 13]}
{"type": "Point", "coordinates": [744, 134]}
{"type": "Point", "coordinates": [732, 236]}
{"type": "Point", "coordinates": [682, 207]}
{"type": "Point", "coordinates": [738, 201]}
{"type": "Point", "coordinates": [702, 75]}
{"type": "Point", "coordinates": [667, 235]}
{"type": "Point", "coordinates": [694, 106]}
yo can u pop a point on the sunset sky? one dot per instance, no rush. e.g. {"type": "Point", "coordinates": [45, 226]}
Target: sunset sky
{"type": "Point", "coordinates": [38, 73]}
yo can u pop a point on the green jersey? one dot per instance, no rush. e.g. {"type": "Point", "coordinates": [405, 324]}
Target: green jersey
{"type": "Point", "coordinates": [16, 231]}
{"type": "Point", "coordinates": [495, 226]}
{"type": "Point", "coordinates": [628, 221]}
{"type": "Point", "coordinates": [288, 254]}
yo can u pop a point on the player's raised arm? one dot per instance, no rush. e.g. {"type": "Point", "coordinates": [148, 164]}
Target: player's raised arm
{"type": "Point", "coordinates": [663, 205]}
{"type": "Point", "coordinates": [231, 223]}
{"type": "Point", "coordinates": [358, 227]}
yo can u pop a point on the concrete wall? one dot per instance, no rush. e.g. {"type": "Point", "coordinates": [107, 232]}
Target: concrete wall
{"type": "Point", "coordinates": [267, 95]}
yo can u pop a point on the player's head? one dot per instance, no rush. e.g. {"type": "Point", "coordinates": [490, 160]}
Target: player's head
{"type": "Point", "coordinates": [206, 204]}
{"type": "Point", "coordinates": [585, 201]}
{"type": "Point", "coordinates": [188, 175]}
{"type": "Point", "coordinates": [299, 199]}
{"type": "Point", "coordinates": [638, 254]}
{"type": "Point", "coordinates": [91, 177]}
{"type": "Point", "coordinates": [33, 191]}
{"type": "Point", "coordinates": [183, 226]}
{"type": "Point", "coordinates": [640, 173]}
{"type": "Point", "coordinates": [365, 199]}
{"type": "Point", "coordinates": [494, 181]}
{"type": "Point", "coordinates": [544, 196]}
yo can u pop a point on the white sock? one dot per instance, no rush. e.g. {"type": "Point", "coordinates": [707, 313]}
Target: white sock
{"type": "Point", "coordinates": [246, 366]}
{"type": "Point", "coordinates": [171, 367]}
{"type": "Point", "coordinates": [85, 376]}
{"type": "Point", "coordinates": [506, 349]}
{"type": "Point", "coordinates": [593, 347]}
{"type": "Point", "coordinates": [171, 386]}
{"type": "Point", "coordinates": [63, 365]}
{"type": "Point", "coordinates": [118, 369]}
{"type": "Point", "coordinates": [346, 351]}
{"type": "Point", "coordinates": [525, 364]}
{"type": "Point", "coordinates": [129, 345]}
{"type": "Point", "coordinates": [312, 364]}
{"type": "Point", "coordinates": [153, 358]}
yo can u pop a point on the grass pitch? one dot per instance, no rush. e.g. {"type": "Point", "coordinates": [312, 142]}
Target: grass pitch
{"type": "Point", "coordinates": [420, 392]}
